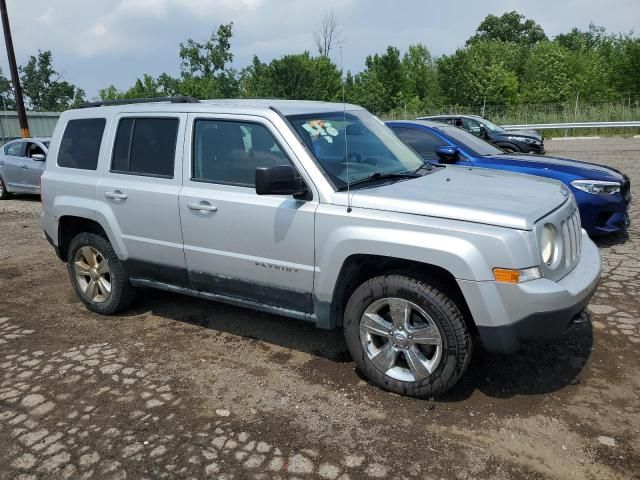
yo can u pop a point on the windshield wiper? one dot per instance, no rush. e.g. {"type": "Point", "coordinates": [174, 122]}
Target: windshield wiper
{"type": "Point", "coordinates": [428, 166]}
{"type": "Point", "coordinates": [379, 176]}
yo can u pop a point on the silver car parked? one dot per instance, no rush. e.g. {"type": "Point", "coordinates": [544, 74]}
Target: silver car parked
{"type": "Point", "coordinates": [21, 165]}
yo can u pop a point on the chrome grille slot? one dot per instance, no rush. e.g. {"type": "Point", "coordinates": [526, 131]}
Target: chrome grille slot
{"type": "Point", "coordinates": [572, 238]}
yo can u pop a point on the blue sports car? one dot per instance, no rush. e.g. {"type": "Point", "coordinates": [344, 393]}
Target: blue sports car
{"type": "Point", "coordinates": [603, 193]}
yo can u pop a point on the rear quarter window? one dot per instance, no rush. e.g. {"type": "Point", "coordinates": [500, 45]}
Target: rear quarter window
{"type": "Point", "coordinates": [80, 144]}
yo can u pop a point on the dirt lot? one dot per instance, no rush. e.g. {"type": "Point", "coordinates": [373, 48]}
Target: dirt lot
{"type": "Point", "coordinates": [183, 388]}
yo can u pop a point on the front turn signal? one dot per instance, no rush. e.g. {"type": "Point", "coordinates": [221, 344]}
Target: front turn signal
{"type": "Point", "coordinates": [509, 275]}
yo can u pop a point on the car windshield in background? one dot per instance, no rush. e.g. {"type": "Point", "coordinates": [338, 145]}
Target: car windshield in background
{"type": "Point", "coordinates": [476, 146]}
{"type": "Point", "coordinates": [492, 126]}
{"type": "Point", "coordinates": [357, 142]}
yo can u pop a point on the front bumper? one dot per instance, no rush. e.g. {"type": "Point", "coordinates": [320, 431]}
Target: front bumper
{"type": "Point", "coordinates": [532, 148]}
{"type": "Point", "coordinates": [603, 214]}
{"type": "Point", "coordinates": [508, 315]}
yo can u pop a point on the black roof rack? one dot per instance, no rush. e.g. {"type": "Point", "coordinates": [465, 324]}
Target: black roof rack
{"type": "Point", "coordinates": [127, 101]}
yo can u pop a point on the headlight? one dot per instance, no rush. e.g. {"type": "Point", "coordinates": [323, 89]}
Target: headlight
{"type": "Point", "coordinates": [549, 244]}
{"type": "Point", "coordinates": [597, 187]}
{"type": "Point", "coordinates": [532, 141]}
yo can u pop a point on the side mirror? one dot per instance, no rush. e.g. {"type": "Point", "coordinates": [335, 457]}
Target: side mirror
{"type": "Point", "coordinates": [280, 180]}
{"type": "Point", "coordinates": [41, 157]}
{"type": "Point", "coordinates": [447, 153]}
{"type": "Point", "coordinates": [483, 131]}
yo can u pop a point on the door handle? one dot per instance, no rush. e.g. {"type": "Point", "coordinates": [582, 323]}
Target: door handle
{"type": "Point", "coordinates": [25, 167]}
{"type": "Point", "coordinates": [202, 207]}
{"type": "Point", "coordinates": [116, 194]}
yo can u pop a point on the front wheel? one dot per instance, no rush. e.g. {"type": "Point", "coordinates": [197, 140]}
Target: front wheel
{"type": "Point", "coordinates": [406, 336]}
{"type": "Point", "coordinates": [509, 149]}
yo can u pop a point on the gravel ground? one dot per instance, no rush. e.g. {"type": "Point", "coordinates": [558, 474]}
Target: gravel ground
{"type": "Point", "coordinates": [183, 388]}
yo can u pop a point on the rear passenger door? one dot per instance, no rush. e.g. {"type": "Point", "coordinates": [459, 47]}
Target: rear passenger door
{"type": "Point", "coordinates": [237, 243]}
{"type": "Point", "coordinates": [138, 192]}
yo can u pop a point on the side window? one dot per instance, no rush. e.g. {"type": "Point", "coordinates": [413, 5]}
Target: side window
{"type": "Point", "coordinates": [145, 146]}
{"type": "Point", "coordinates": [33, 148]}
{"type": "Point", "coordinates": [422, 142]}
{"type": "Point", "coordinates": [228, 152]}
{"type": "Point", "coordinates": [15, 149]}
{"type": "Point", "coordinates": [80, 144]}
{"type": "Point", "coordinates": [471, 126]}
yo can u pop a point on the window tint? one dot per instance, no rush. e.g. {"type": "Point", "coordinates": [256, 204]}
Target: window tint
{"type": "Point", "coordinates": [422, 142]}
{"type": "Point", "coordinates": [15, 149]}
{"type": "Point", "coordinates": [146, 146]}
{"type": "Point", "coordinates": [80, 144]}
{"type": "Point", "coordinates": [229, 152]}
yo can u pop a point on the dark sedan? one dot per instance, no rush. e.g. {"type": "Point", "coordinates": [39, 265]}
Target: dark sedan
{"type": "Point", "coordinates": [522, 141]}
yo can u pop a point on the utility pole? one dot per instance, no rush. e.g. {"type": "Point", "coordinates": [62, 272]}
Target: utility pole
{"type": "Point", "coordinates": [15, 79]}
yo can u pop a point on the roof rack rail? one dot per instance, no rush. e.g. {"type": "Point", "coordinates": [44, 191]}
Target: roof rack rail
{"type": "Point", "coordinates": [127, 101]}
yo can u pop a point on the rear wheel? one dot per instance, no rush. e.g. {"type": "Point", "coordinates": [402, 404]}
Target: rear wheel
{"type": "Point", "coordinates": [406, 336]}
{"type": "Point", "coordinates": [97, 275]}
{"type": "Point", "coordinates": [4, 194]}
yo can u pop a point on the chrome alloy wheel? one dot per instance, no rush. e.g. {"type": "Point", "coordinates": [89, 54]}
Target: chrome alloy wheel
{"type": "Point", "coordinates": [93, 274]}
{"type": "Point", "coordinates": [400, 339]}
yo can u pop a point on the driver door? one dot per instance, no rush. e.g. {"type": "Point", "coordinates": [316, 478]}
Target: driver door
{"type": "Point", "coordinates": [238, 244]}
{"type": "Point", "coordinates": [33, 168]}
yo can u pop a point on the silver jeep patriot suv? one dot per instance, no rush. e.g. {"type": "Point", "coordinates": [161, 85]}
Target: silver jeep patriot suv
{"type": "Point", "coordinates": [315, 211]}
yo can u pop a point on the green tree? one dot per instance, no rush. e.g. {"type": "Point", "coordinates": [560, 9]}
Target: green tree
{"type": "Point", "coordinates": [548, 76]}
{"type": "Point", "coordinates": [303, 77]}
{"type": "Point", "coordinates": [509, 27]}
{"type": "Point", "coordinates": [6, 94]}
{"type": "Point", "coordinates": [626, 65]}
{"type": "Point", "coordinates": [383, 77]}
{"type": "Point", "coordinates": [205, 67]}
{"type": "Point", "coordinates": [43, 85]}
{"type": "Point", "coordinates": [486, 71]}
{"type": "Point", "coordinates": [421, 88]}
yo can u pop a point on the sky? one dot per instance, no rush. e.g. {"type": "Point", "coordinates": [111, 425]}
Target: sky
{"type": "Point", "coordinates": [96, 43]}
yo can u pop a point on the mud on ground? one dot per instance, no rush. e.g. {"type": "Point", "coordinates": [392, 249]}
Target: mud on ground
{"type": "Point", "coordinates": [183, 388]}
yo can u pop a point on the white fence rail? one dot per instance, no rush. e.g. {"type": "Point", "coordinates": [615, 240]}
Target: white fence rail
{"type": "Point", "coordinates": [569, 126]}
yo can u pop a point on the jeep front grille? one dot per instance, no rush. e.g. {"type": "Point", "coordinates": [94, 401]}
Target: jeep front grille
{"type": "Point", "coordinates": [571, 238]}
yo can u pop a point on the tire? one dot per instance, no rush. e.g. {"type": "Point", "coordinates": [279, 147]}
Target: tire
{"type": "Point", "coordinates": [509, 149]}
{"type": "Point", "coordinates": [101, 299]}
{"type": "Point", "coordinates": [433, 309]}
{"type": "Point", "coordinates": [4, 194]}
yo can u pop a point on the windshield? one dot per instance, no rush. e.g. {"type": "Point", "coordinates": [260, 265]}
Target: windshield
{"type": "Point", "coordinates": [354, 142]}
{"type": "Point", "coordinates": [491, 126]}
{"type": "Point", "coordinates": [474, 145]}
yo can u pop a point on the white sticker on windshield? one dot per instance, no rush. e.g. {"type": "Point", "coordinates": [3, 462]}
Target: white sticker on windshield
{"type": "Point", "coordinates": [321, 129]}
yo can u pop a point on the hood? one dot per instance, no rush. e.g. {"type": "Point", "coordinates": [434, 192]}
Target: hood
{"type": "Point", "coordinates": [521, 133]}
{"type": "Point", "coordinates": [551, 165]}
{"type": "Point", "coordinates": [468, 194]}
